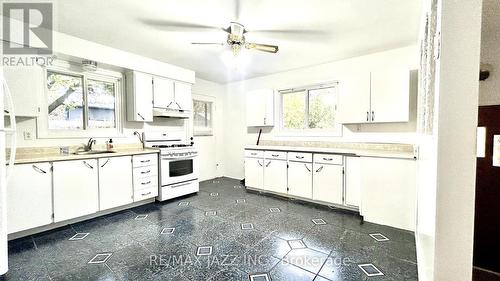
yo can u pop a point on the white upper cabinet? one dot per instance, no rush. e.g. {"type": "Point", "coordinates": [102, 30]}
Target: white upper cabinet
{"type": "Point", "coordinates": [163, 93]}
{"type": "Point", "coordinates": [354, 98]}
{"type": "Point", "coordinates": [139, 97]}
{"type": "Point", "coordinates": [260, 108]}
{"type": "Point", "coordinates": [183, 96]}
{"type": "Point", "coordinates": [26, 85]}
{"type": "Point", "coordinates": [29, 197]}
{"type": "Point", "coordinates": [76, 191]}
{"type": "Point", "coordinates": [114, 190]}
{"type": "Point", "coordinates": [379, 96]}
{"type": "Point", "coordinates": [390, 95]}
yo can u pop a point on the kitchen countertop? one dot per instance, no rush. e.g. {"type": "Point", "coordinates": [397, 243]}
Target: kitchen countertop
{"type": "Point", "coordinates": [401, 152]}
{"type": "Point", "coordinates": [51, 154]}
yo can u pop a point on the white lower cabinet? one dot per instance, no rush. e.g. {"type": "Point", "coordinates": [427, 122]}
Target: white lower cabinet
{"type": "Point", "coordinates": [275, 175]}
{"type": "Point", "coordinates": [352, 181]}
{"type": "Point", "coordinates": [115, 182]}
{"type": "Point", "coordinates": [300, 179]}
{"type": "Point", "coordinates": [254, 172]}
{"type": "Point", "coordinates": [75, 188]}
{"type": "Point", "coordinates": [29, 197]}
{"type": "Point", "coordinates": [328, 183]}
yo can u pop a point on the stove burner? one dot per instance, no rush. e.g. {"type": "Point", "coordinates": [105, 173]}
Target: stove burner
{"type": "Point", "coordinates": [171, 145]}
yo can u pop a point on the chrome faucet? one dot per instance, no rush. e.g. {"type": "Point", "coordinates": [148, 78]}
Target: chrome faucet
{"type": "Point", "coordinates": [89, 144]}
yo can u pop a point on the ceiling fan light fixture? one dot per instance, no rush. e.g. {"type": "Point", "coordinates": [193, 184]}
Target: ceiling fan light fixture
{"type": "Point", "coordinates": [237, 29]}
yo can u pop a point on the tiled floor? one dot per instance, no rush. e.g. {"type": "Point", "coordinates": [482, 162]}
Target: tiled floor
{"type": "Point", "coordinates": [222, 233]}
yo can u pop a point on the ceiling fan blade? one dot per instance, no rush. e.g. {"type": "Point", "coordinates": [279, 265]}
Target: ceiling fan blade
{"type": "Point", "coordinates": [237, 9]}
{"type": "Point", "coordinates": [262, 47]}
{"type": "Point", "coordinates": [179, 26]}
{"type": "Point", "coordinates": [291, 32]}
{"type": "Point", "coordinates": [206, 43]}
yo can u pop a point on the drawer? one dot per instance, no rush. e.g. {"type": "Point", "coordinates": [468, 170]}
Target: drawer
{"type": "Point", "coordinates": [300, 156]}
{"type": "Point", "coordinates": [254, 153]}
{"type": "Point", "coordinates": [333, 159]}
{"type": "Point", "coordinates": [281, 155]}
{"type": "Point", "coordinates": [144, 194]}
{"type": "Point", "coordinates": [147, 182]}
{"type": "Point", "coordinates": [145, 160]}
{"type": "Point", "coordinates": [146, 171]}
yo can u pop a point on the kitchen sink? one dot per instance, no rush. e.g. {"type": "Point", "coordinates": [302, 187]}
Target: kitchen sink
{"type": "Point", "coordinates": [88, 152]}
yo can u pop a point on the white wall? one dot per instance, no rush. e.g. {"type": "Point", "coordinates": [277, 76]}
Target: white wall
{"type": "Point", "coordinates": [237, 135]}
{"type": "Point", "coordinates": [211, 147]}
{"type": "Point", "coordinates": [447, 164]}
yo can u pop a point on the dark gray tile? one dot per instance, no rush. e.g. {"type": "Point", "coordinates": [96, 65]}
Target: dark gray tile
{"type": "Point", "coordinates": [324, 238]}
{"type": "Point", "coordinates": [257, 262]}
{"type": "Point", "coordinates": [91, 273]}
{"type": "Point", "coordinates": [230, 274]}
{"type": "Point", "coordinates": [273, 246]}
{"type": "Point", "coordinates": [307, 259]}
{"type": "Point", "coordinates": [288, 272]}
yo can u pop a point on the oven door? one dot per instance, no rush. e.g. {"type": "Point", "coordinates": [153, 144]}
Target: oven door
{"type": "Point", "coordinates": [176, 170]}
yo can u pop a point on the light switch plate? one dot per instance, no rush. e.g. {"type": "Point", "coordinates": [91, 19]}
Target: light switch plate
{"type": "Point", "coordinates": [27, 135]}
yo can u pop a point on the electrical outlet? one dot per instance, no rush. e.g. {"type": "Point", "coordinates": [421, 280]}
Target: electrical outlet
{"type": "Point", "coordinates": [27, 135]}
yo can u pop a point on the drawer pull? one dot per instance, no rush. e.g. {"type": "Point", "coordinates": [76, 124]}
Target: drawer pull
{"type": "Point", "coordinates": [253, 153]}
{"type": "Point", "coordinates": [144, 183]}
{"type": "Point", "coordinates": [327, 159]}
{"type": "Point", "coordinates": [275, 155]}
{"type": "Point", "coordinates": [147, 193]}
{"type": "Point", "coordinates": [146, 172]}
{"type": "Point", "coordinates": [39, 170]}
{"type": "Point", "coordinates": [146, 161]}
{"type": "Point", "coordinates": [182, 184]}
{"type": "Point", "coordinates": [299, 157]}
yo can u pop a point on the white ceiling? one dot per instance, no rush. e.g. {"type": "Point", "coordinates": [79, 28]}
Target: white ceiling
{"type": "Point", "coordinates": [342, 28]}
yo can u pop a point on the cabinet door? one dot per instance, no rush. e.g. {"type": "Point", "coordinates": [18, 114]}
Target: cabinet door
{"type": "Point", "coordinates": [352, 181]}
{"type": "Point", "coordinates": [388, 194]}
{"type": "Point", "coordinates": [26, 85]}
{"type": "Point", "coordinates": [139, 97]}
{"type": "Point", "coordinates": [183, 96]}
{"type": "Point", "coordinates": [254, 172]}
{"type": "Point", "coordinates": [163, 93]}
{"type": "Point", "coordinates": [275, 175]}
{"type": "Point", "coordinates": [354, 98]}
{"type": "Point", "coordinates": [328, 183]}
{"type": "Point", "coordinates": [75, 189]}
{"type": "Point", "coordinates": [300, 179]}
{"type": "Point", "coordinates": [115, 190]}
{"type": "Point", "coordinates": [390, 95]}
{"type": "Point", "coordinates": [260, 108]}
{"type": "Point", "coordinates": [29, 197]}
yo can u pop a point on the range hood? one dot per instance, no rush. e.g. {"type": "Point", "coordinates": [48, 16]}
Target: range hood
{"type": "Point", "coordinates": [170, 113]}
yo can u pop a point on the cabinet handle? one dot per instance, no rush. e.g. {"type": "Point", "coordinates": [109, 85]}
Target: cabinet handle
{"type": "Point", "coordinates": [267, 165]}
{"type": "Point", "coordinates": [368, 116]}
{"type": "Point", "coordinates": [146, 172]}
{"type": "Point", "coordinates": [258, 161]}
{"type": "Point", "coordinates": [299, 157]}
{"type": "Point", "coordinates": [319, 170]}
{"type": "Point", "coordinates": [144, 183]}
{"type": "Point", "coordinates": [147, 193]}
{"type": "Point", "coordinates": [105, 163]}
{"type": "Point", "coordinates": [88, 165]}
{"type": "Point", "coordinates": [305, 165]}
{"type": "Point", "coordinates": [141, 116]}
{"type": "Point", "coordinates": [41, 171]}
{"type": "Point", "coordinates": [373, 115]}
{"type": "Point", "coordinates": [264, 120]}
{"type": "Point", "coordinates": [146, 161]}
{"type": "Point", "coordinates": [170, 104]}
{"type": "Point", "coordinates": [253, 153]}
{"type": "Point", "coordinates": [178, 105]}
{"type": "Point", "coordinates": [327, 159]}
{"type": "Point", "coordinates": [275, 155]}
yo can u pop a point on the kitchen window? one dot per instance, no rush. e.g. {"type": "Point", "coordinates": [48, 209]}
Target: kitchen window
{"type": "Point", "coordinates": [309, 111]}
{"type": "Point", "coordinates": [203, 117]}
{"type": "Point", "coordinates": [80, 104]}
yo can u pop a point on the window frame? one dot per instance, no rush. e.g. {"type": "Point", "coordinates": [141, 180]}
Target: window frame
{"type": "Point", "coordinates": [67, 68]}
{"type": "Point", "coordinates": [308, 132]}
{"type": "Point", "coordinates": [211, 101]}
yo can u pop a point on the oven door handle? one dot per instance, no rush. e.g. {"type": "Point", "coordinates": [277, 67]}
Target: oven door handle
{"type": "Point", "coordinates": [179, 158]}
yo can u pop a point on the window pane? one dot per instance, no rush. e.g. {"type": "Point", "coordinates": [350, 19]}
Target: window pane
{"type": "Point", "coordinates": [294, 105]}
{"type": "Point", "coordinates": [322, 104]}
{"type": "Point", "coordinates": [101, 104]}
{"type": "Point", "coordinates": [65, 101]}
{"type": "Point", "coordinates": [202, 117]}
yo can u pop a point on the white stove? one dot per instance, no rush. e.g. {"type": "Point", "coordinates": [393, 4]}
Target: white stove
{"type": "Point", "coordinates": [178, 163]}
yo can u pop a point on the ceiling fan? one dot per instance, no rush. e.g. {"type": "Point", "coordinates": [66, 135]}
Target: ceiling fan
{"type": "Point", "coordinates": [236, 40]}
